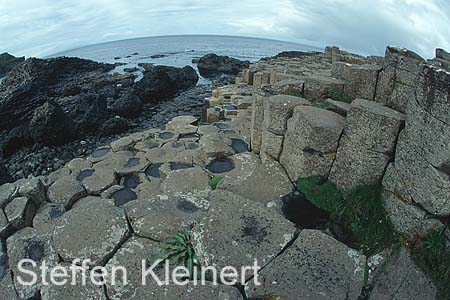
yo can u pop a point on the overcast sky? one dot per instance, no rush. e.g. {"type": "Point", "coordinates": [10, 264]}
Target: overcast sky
{"type": "Point", "coordinates": [43, 27]}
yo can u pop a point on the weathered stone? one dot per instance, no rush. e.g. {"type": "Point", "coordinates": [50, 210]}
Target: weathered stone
{"type": "Point", "coordinates": [398, 78]}
{"type": "Point", "coordinates": [185, 181]}
{"type": "Point", "coordinates": [100, 154]}
{"type": "Point", "coordinates": [401, 279]}
{"type": "Point", "coordinates": [318, 85]}
{"type": "Point", "coordinates": [5, 226]}
{"type": "Point", "coordinates": [54, 176]}
{"type": "Point", "coordinates": [271, 144]}
{"type": "Point", "coordinates": [311, 141]}
{"type": "Point", "coordinates": [123, 144]}
{"type": "Point", "coordinates": [131, 256]}
{"type": "Point", "coordinates": [148, 190]}
{"type": "Point", "coordinates": [47, 217]}
{"type": "Point", "coordinates": [206, 129]}
{"type": "Point", "coordinates": [361, 81]}
{"type": "Point", "coordinates": [257, 118]}
{"type": "Point", "coordinates": [102, 228]}
{"type": "Point", "coordinates": [20, 212]}
{"type": "Point", "coordinates": [267, 184]}
{"type": "Point", "coordinates": [132, 164]}
{"type": "Point", "coordinates": [216, 145]}
{"type": "Point", "coordinates": [66, 191]}
{"type": "Point", "coordinates": [79, 164]}
{"type": "Point", "coordinates": [7, 192]}
{"type": "Point", "coordinates": [164, 154]}
{"type": "Point", "coordinates": [316, 266]}
{"type": "Point", "coordinates": [161, 217]}
{"type": "Point", "coordinates": [261, 78]}
{"type": "Point", "coordinates": [87, 291]}
{"type": "Point", "coordinates": [7, 289]}
{"type": "Point", "coordinates": [367, 145]}
{"type": "Point", "coordinates": [442, 54]}
{"type": "Point", "coordinates": [250, 231]}
{"type": "Point", "coordinates": [33, 188]}
{"type": "Point", "coordinates": [339, 107]}
{"type": "Point", "coordinates": [214, 114]}
{"type": "Point", "coordinates": [28, 243]}
{"type": "Point", "coordinates": [338, 70]}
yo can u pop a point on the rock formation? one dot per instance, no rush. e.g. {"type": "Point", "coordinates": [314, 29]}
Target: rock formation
{"type": "Point", "coordinates": [213, 64]}
{"type": "Point", "coordinates": [8, 62]}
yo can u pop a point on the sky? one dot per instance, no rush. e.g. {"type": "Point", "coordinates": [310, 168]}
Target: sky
{"type": "Point", "coordinates": [44, 27]}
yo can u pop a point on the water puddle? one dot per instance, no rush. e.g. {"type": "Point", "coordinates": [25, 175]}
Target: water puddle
{"type": "Point", "coordinates": [180, 166]}
{"type": "Point", "coordinates": [239, 146]}
{"type": "Point", "coordinates": [85, 174]}
{"type": "Point", "coordinates": [133, 162]}
{"type": "Point", "coordinates": [222, 125]}
{"type": "Point", "coordinates": [220, 165]}
{"type": "Point", "coordinates": [166, 135]}
{"type": "Point", "coordinates": [123, 196]}
{"type": "Point", "coordinates": [100, 152]}
{"type": "Point", "coordinates": [153, 171]}
{"type": "Point", "coordinates": [130, 181]}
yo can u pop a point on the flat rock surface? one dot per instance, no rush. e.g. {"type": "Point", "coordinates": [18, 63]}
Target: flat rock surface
{"type": "Point", "coordinates": [316, 266]}
{"type": "Point", "coordinates": [91, 232]}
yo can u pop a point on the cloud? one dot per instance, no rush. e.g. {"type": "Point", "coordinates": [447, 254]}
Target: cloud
{"type": "Point", "coordinates": [43, 27]}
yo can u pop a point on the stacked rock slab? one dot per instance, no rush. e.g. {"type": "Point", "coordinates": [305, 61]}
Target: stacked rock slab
{"type": "Point", "coordinates": [277, 110]}
{"type": "Point", "coordinates": [361, 81]}
{"type": "Point", "coordinates": [419, 179]}
{"type": "Point", "coordinates": [397, 79]}
{"type": "Point", "coordinates": [311, 141]}
{"type": "Point", "coordinates": [367, 145]}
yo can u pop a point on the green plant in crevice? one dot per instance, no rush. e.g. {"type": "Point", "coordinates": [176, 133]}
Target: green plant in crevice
{"type": "Point", "coordinates": [322, 105]}
{"type": "Point", "coordinates": [339, 96]}
{"type": "Point", "coordinates": [179, 249]}
{"type": "Point", "coordinates": [432, 255]}
{"type": "Point", "coordinates": [296, 94]}
{"type": "Point", "coordinates": [320, 192]}
{"type": "Point", "coordinates": [362, 213]}
{"type": "Point", "coordinates": [214, 182]}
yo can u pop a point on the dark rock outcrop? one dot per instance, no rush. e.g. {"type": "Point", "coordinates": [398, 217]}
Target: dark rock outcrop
{"type": "Point", "coordinates": [294, 54]}
{"type": "Point", "coordinates": [4, 175]}
{"type": "Point", "coordinates": [8, 62]}
{"type": "Point", "coordinates": [162, 82]}
{"type": "Point", "coordinates": [52, 101]}
{"type": "Point", "coordinates": [213, 64]}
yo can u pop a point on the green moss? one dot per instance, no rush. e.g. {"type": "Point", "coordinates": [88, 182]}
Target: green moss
{"type": "Point", "coordinates": [297, 94]}
{"type": "Point", "coordinates": [339, 96]}
{"type": "Point", "coordinates": [321, 193]}
{"type": "Point", "coordinates": [322, 105]}
{"type": "Point", "coordinates": [363, 214]}
{"type": "Point", "coordinates": [214, 182]}
{"type": "Point", "coordinates": [432, 255]}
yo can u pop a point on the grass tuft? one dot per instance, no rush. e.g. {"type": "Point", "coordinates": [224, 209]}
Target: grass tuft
{"type": "Point", "coordinates": [362, 213]}
{"type": "Point", "coordinates": [339, 96]}
{"type": "Point", "coordinates": [214, 182]}
{"type": "Point", "coordinates": [296, 94]}
{"type": "Point", "coordinates": [321, 193]}
{"type": "Point", "coordinates": [432, 255]}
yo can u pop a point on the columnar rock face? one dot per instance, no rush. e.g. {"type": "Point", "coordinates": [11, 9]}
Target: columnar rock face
{"type": "Point", "coordinates": [257, 119]}
{"type": "Point", "coordinates": [367, 145]}
{"type": "Point", "coordinates": [318, 85]}
{"type": "Point", "coordinates": [402, 280]}
{"type": "Point", "coordinates": [361, 81]}
{"type": "Point", "coordinates": [396, 81]}
{"type": "Point", "coordinates": [325, 269]}
{"type": "Point", "coordinates": [420, 173]}
{"type": "Point", "coordinates": [311, 141]}
{"type": "Point", "coordinates": [277, 110]}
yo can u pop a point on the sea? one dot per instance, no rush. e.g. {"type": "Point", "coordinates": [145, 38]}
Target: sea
{"type": "Point", "coordinates": [179, 51]}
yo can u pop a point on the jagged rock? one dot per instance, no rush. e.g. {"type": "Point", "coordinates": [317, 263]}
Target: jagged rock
{"type": "Point", "coordinates": [7, 192]}
{"type": "Point", "coordinates": [339, 107]}
{"type": "Point", "coordinates": [28, 243]}
{"type": "Point", "coordinates": [5, 226]}
{"type": "Point", "coordinates": [316, 266]}
{"type": "Point", "coordinates": [32, 188]}
{"type": "Point", "coordinates": [267, 184]}
{"type": "Point", "coordinates": [250, 231]}
{"type": "Point", "coordinates": [50, 125]}
{"type": "Point", "coordinates": [128, 106]}
{"type": "Point", "coordinates": [367, 145]}
{"type": "Point", "coordinates": [8, 62]}
{"type": "Point", "coordinates": [402, 279]}
{"type": "Point", "coordinates": [257, 118]}
{"type": "Point", "coordinates": [20, 212]}
{"type": "Point", "coordinates": [397, 80]}
{"type": "Point", "coordinates": [7, 290]}
{"type": "Point", "coordinates": [261, 78]}
{"type": "Point", "coordinates": [161, 82]}
{"type": "Point", "coordinates": [66, 191]}
{"type": "Point", "coordinates": [277, 110]}
{"type": "Point", "coordinates": [89, 291]}
{"type": "Point", "coordinates": [361, 81]}
{"type": "Point", "coordinates": [442, 54]}
{"type": "Point", "coordinates": [47, 217]}
{"type": "Point", "coordinates": [311, 141]}
{"type": "Point", "coordinates": [55, 175]}
{"type": "Point", "coordinates": [4, 175]}
{"type": "Point", "coordinates": [421, 163]}
{"type": "Point", "coordinates": [212, 64]}
{"type": "Point", "coordinates": [114, 125]}
{"type": "Point", "coordinates": [102, 228]}
{"type": "Point", "coordinates": [161, 217]}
